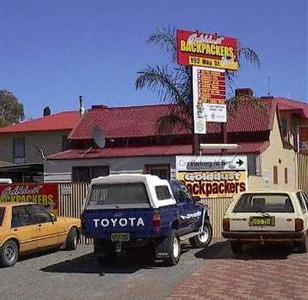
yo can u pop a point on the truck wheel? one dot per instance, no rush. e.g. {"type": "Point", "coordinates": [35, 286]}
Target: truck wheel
{"type": "Point", "coordinates": [236, 247]}
{"type": "Point", "coordinates": [9, 254]}
{"type": "Point", "coordinates": [303, 246]}
{"type": "Point", "coordinates": [203, 239]}
{"type": "Point", "coordinates": [72, 239]}
{"type": "Point", "coordinates": [173, 249]}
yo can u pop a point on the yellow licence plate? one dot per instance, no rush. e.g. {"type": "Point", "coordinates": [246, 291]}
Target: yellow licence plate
{"type": "Point", "coordinates": [120, 237]}
{"type": "Point", "coordinates": [262, 221]}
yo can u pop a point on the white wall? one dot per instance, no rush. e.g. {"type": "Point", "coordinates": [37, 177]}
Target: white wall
{"type": "Point", "coordinates": [61, 170]}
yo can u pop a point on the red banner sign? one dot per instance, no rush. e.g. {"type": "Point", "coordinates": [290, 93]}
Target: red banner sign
{"type": "Point", "coordinates": [206, 50]}
{"type": "Point", "coordinates": [45, 194]}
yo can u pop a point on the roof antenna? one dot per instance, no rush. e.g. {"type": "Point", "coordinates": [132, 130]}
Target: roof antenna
{"type": "Point", "coordinates": [268, 86]}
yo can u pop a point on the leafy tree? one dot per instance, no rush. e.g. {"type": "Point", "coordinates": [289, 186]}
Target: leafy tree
{"type": "Point", "coordinates": [173, 82]}
{"type": "Point", "coordinates": [11, 110]}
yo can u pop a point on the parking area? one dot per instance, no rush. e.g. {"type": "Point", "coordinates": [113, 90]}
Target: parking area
{"type": "Point", "coordinates": [213, 273]}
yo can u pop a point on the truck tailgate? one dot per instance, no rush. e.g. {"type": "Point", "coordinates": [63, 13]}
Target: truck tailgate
{"type": "Point", "coordinates": [102, 223]}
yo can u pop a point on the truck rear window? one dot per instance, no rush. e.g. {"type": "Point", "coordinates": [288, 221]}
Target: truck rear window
{"type": "Point", "coordinates": [162, 192]}
{"type": "Point", "coordinates": [2, 210]}
{"type": "Point", "coordinates": [118, 194]}
{"type": "Point", "coordinates": [275, 203]}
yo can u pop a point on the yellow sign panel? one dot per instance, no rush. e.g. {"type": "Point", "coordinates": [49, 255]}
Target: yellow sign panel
{"type": "Point", "coordinates": [229, 64]}
{"type": "Point", "coordinates": [214, 184]}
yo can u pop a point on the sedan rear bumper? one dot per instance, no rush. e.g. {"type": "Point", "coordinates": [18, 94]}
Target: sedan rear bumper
{"type": "Point", "coordinates": [263, 235]}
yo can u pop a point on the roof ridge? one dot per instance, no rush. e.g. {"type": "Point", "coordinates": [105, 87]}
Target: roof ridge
{"type": "Point", "coordinates": [135, 106]}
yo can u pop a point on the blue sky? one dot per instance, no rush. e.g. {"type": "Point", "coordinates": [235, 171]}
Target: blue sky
{"type": "Point", "coordinates": [53, 51]}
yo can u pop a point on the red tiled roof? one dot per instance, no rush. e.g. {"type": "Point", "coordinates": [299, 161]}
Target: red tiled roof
{"type": "Point", "coordinates": [294, 106]}
{"type": "Point", "coordinates": [141, 121]}
{"type": "Point", "coordinates": [61, 121]}
{"type": "Point", "coordinates": [170, 150]}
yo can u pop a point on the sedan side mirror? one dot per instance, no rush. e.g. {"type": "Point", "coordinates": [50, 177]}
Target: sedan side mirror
{"type": "Point", "coordinates": [53, 217]}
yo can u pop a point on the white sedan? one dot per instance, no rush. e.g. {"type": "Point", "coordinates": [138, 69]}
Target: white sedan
{"type": "Point", "coordinates": [264, 217]}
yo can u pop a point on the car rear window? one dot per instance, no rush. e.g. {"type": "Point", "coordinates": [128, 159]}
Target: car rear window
{"type": "Point", "coordinates": [264, 203]}
{"type": "Point", "coordinates": [118, 194]}
{"type": "Point", "coordinates": [2, 210]}
{"type": "Point", "coordinates": [162, 192]}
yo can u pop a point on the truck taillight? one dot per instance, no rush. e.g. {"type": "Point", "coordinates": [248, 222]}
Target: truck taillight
{"type": "Point", "coordinates": [226, 224]}
{"type": "Point", "coordinates": [299, 224]}
{"type": "Point", "coordinates": [156, 221]}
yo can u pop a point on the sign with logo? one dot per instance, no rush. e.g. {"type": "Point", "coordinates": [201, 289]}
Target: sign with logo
{"type": "Point", "coordinates": [207, 50]}
{"type": "Point", "coordinates": [212, 176]}
{"type": "Point", "coordinates": [45, 194]}
{"type": "Point", "coordinates": [209, 94]}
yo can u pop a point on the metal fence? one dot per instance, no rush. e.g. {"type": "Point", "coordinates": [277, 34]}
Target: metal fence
{"type": "Point", "coordinates": [72, 195]}
{"type": "Point", "coordinates": [303, 172]}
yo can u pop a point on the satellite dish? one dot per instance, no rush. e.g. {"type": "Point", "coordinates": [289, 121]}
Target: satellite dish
{"type": "Point", "coordinates": [98, 137]}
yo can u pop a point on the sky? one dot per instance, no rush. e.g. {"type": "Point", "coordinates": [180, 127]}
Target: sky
{"type": "Point", "coordinates": [54, 51]}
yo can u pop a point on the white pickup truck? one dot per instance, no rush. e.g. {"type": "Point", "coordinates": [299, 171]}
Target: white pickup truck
{"type": "Point", "coordinates": [267, 217]}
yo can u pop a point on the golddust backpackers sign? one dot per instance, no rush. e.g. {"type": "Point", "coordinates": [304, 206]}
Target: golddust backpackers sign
{"type": "Point", "coordinates": [212, 176]}
{"type": "Point", "coordinates": [207, 50]}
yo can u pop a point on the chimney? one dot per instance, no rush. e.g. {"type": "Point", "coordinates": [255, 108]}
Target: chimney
{"type": "Point", "coordinates": [46, 111]}
{"type": "Point", "coordinates": [81, 107]}
{"type": "Point", "coordinates": [244, 92]}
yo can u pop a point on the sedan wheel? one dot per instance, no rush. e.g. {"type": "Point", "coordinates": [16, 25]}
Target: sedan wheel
{"type": "Point", "coordinates": [9, 253]}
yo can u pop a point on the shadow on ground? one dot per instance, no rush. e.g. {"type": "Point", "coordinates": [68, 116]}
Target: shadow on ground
{"type": "Point", "coordinates": [125, 263]}
{"type": "Point", "coordinates": [222, 250]}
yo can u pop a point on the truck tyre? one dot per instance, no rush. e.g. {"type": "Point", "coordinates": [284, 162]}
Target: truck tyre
{"type": "Point", "coordinates": [173, 249]}
{"type": "Point", "coordinates": [9, 253]}
{"type": "Point", "coordinates": [203, 239]}
{"type": "Point", "coordinates": [303, 246]}
{"type": "Point", "coordinates": [72, 239]}
{"type": "Point", "coordinates": [236, 247]}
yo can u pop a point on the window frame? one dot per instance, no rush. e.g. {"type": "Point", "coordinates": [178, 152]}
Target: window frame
{"type": "Point", "coordinates": [90, 170]}
{"type": "Point", "coordinates": [158, 167]}
{"type": "Point", "coordinates": [14, 141]}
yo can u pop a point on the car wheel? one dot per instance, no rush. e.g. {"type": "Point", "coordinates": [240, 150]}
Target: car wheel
{"type": "Point", "coordinates": [173, 249]}
{"type": "Point", "coordinates": [303, 246]}
{"type": "Point", "coordinates": [203, 239]}
{"type": "Point", "coordinates": [236, 247]}
{"type": "Point", "coordinates": [72, 239]}
{"type": "Point", "coordinates": [9, 253]}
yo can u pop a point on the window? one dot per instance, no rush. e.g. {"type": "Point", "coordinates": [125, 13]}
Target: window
{"type": "Point", "coordinates": [19, 150]}
{"type": "Point", "coordinates": [275, 175]}
{"type": "Point", "coordinates": [285, 175]}
{"type": "Point", "coordinates": [254, 165]}
{"type": "Point", "coordinates": [115, 194]}
{"type": "Point", "coordinates": [85, 174]}
{"type": "Point", "coordinates": [39, 214]}
{"type": "Point", "coordinates": [65, 143]}
{"type": "Point", "coordinates": [162, 192]}
{"type": "Point", "coordinates": [180, 192]}
{"type": "Point", "coordinates": [162, 171]}
{"type": "Point", "coordinates": [2, 210]}
{"type": "Point", "coordinates": [20, 216]}
{"type": "Point", "coordinates": [274, 203]}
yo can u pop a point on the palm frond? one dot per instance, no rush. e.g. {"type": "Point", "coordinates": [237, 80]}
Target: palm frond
{"type": "Point", "coordinates": [249, 54]}
{"type": "Point", "coordinates": [167, 122]}
{"type": "Point", "coordinates": [161, 81]}
{"type": "Point", "coordinates": [165, 38]}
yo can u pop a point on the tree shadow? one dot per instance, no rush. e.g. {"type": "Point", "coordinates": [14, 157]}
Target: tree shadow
{"type": "Point", "coordinates": [222, 250]}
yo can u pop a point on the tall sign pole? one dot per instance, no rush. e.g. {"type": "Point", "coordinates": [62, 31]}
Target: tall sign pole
{"type": "Point", "coordinates": [209, 56]}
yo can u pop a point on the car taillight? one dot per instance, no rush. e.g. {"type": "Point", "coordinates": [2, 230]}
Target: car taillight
{"type": "Point", "coordinates": [156, 221]}
{"type": "Point", "coordinates": [299, 224]}
{"type": "Point", "coordinates": [226, 224]}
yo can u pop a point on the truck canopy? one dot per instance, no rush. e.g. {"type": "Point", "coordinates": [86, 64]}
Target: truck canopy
{"type": "Point", "coordinates": [129, 191]}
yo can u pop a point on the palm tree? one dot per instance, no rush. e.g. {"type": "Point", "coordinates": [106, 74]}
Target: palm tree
{"type": "Point", "coordinates": [173, 83]}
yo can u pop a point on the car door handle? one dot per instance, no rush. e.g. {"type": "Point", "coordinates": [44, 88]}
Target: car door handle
{"type": "Point", "coordinates": [39, 225]}
{"type": "Point", "coordinates": [15, 229]}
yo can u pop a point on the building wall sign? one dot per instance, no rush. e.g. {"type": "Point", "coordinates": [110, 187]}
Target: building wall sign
{"type": "Point", "coordinates": [206, 50]}
{"type": "Point", "coordinates": [213, 176]}
{"type": "Point", "coordinates": [45, 194]}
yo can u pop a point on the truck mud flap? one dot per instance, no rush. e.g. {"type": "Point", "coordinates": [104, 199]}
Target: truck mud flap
{"type": "Point", "coordinates": [161, 249]}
